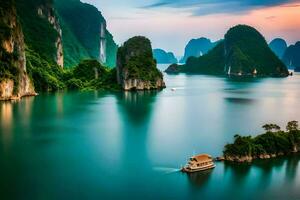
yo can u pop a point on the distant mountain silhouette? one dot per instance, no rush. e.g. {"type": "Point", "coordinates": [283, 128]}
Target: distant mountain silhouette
{"type": "Point", "coordinates": [163, 57]}
{"type": "Point", "coordinates": [197, 47]}
{"type": "Point", "coordinates": [278, 46]}
{"type": "Point", "coordinates": [291, 56]}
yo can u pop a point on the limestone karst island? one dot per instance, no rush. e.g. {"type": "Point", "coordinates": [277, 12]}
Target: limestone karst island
{"type": "Point", "coordinates": [153, 99]}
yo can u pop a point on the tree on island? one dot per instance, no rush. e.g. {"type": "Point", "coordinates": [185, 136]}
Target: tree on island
{"type": "Point", "coordinates": [271, 128]}
{"type": "Point", "coordinates": [274, 142]}
{"type": "Point", "coordinates": [292, 126]}
{"type": "Point", "coordinates": [292, 129]}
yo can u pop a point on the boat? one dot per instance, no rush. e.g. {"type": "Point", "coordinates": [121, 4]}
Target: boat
{"type": "Point", "coordinates": [173, 89]}
{"type": "Point", "coordinates": [198, 163]}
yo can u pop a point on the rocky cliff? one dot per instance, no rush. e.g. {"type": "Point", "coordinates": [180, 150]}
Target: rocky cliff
{"type": "Point", "coordinates": [47, 11]}
{"type": "Point", "coordinates": [85, 33]}
{"type": "Point", "coordinates": [136, 67]}
{"type": "Point", "coordinates": [14, 80]}
{"type": "Point", "coordinates": [42, 29]}
{"type": "Point", "coordinates": [38, 40]}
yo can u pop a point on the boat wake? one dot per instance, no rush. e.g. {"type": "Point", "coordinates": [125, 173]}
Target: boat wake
{"type": "Point", "coordinates": [166, 170]}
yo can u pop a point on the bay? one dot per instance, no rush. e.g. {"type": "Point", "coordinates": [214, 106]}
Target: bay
{"type": "Point", "coordinates": [130, 145]}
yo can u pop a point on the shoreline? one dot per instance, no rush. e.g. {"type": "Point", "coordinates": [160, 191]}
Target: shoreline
{"type": "Point", "coordinates": [18, 97]}
{"type": "Point", "coordinates": [251, 159]}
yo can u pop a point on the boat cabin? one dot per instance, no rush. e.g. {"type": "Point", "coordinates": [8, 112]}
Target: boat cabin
{"type": "Point", "coordinates": [199, 163]}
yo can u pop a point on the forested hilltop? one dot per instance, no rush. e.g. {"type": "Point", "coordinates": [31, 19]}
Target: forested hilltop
{"type": "Point", "coordinates": [136, 66]}
{"type": "Point", "coordinates": [41, 39]}
{"type": "Point", "coordinates": [243, 52]}
{"type": "Point", "coordinates": [274, 142]}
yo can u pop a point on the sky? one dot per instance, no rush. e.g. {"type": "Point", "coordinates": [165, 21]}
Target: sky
{"type": "Point", "coordinates": [170, 24]}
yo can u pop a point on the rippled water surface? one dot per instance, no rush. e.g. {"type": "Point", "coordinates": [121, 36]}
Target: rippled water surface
{"type": "Point", "coordinates": [98, 145]}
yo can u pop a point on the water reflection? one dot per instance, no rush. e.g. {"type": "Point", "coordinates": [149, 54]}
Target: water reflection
{"type": "Point", "coordinates": [238, 172]}
{"type": "Point", "coordinates": [199, 179]}
{"type": "Point", "coordinates": [249, 80]}
{"type": "Point", "coordinates": [263, 173]}
{"type": "Point", "coordinates": [236, 100]}
{"type": "Point", "coordinates": [6, 111]}
{"type": "Point", "coordinates": [6, 116]}
{"type": "Point", "coordinates": [137, 105]}
{"type": "Point", "coordinates": [292, 168]}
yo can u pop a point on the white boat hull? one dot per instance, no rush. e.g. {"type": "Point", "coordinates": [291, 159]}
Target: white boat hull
{"type": "Point", "coordinates": [187, 170]}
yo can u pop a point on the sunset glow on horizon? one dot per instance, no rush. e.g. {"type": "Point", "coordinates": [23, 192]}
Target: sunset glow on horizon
{"type": "Point", "coordinates": [170, 28]}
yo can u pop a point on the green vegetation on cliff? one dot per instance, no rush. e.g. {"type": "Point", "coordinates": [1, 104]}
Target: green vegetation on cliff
{"type": "Point", "coordinates": [82, 26]}
{"type": "Point", "coordinates": [90, 74]}
{"type": "Point", "coordinates": [46, 76]}
{"type": "Point", "coordinates": [243, 52]}
{"type": "Point", "coordinates": [42, 32]}
{"type": "Point", "coordinates": [111, 50]}
{"type": "Point", "coordinates": [9, 61]}
{"type": "Point", "coordinates": [136, 58]}
{"type": "Point", "coordinates": [73, 50]}
{"type": "Point", "coordinates": [210, 63]}
{"type": "Point", "coordinates": [87, 75]}
{"type": "Point", "coordinates": [270, 144]}
{"type": "Point", "coordinates": [39, 34]}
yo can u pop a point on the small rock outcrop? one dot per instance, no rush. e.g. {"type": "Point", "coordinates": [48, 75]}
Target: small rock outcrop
{"type": "Point", "coordinates": [173, 69]}
{"type": "Point", "coordinates": [136, 67]}
{"type": "Point", "coordinates": [14, 80]}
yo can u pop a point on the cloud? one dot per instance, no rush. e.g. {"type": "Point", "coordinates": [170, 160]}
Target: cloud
{"type": "Point", "coordinates": [208, 7]}
{"type": "Point", "coordinates": [271, 18]}
{"type": "Point", "coordinates": [160, 4]}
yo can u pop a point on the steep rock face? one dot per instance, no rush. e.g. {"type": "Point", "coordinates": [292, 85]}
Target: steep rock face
{"type": "Point", "coordinates": [291, 56]}
{"type": "Point", "coordinates": [163, 57]}
{"type": "Point", "coordinates": [14, 80]}
{"type": "Point", "coordinates": [85, 33]}
{"type": "Point", "coordinates": [41, 28]}
{"type": "Point", "coordinates": [47, 10]}
{"type": "Point", "coordinates": [197, 47]}
{"type": "Point", "coordinates": [243, 52]}
{"type": "Point", "coordinates": [136, 67]}
{"type": "Point", "coordinates": [278, 46]}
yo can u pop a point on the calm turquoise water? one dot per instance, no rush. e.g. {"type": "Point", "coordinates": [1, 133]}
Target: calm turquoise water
{"type": "Point", "coordinates": [99, 145]}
